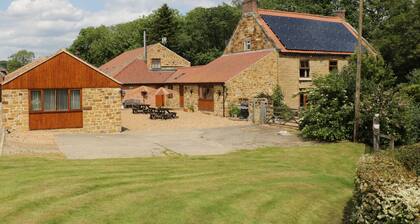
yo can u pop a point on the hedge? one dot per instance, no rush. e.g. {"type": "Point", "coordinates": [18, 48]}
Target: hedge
{"type": "Point", "coordinates": [409, 156]}
{"type": "Point", "coordinates": [385, 192]}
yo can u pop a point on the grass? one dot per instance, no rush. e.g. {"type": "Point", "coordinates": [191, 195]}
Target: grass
{"type": "Point", "coordinates": [274, 185]}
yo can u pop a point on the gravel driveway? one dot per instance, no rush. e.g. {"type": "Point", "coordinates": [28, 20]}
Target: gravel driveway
{"type": "Point", "coordinates": [214, 141]}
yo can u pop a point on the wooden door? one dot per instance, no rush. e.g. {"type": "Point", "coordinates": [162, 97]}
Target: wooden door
{"type": "Point", "coordinates": [181, 96]}
{"type": "Point", "coordinates": [160, 101]}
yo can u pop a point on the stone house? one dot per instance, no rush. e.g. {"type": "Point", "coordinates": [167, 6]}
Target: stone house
{"type": "Point", "coordinates": [60, 92]}
{"type": "Point", "coordinates": [149, 66]}
{"type": "Point", "coordinates": [307, 45]}
{"type": "Point", "coordinates": [224, 82]}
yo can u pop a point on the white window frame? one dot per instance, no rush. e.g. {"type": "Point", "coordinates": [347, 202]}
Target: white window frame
{"type": "Point", "coordinates": [247, 44]}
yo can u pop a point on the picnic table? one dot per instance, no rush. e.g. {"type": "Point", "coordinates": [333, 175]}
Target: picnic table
{"type": "Point", "coordinates": [163, 113]}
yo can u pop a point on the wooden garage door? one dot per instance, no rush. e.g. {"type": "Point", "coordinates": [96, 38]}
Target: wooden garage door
{"type": "Point", "coordinates": [55, 120]}
{"type": "Point", "coordinates": [206, 98]}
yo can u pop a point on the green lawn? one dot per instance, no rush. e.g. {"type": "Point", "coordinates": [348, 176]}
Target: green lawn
{"type": "Point", "coordinates": [275, 185]}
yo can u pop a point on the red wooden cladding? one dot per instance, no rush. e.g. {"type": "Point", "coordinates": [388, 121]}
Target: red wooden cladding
{"type": "Point", "coordinates": [206, 105]}
{"type": "Point", "coordinates": [62, 72]}
{"type": "Point", "coordinates": [55, 120]}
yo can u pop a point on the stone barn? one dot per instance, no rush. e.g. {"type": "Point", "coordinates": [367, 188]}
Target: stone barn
{"type": "Point", "coordinates": [61, 92]}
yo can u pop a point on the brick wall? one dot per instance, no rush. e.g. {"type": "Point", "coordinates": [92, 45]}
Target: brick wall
{"type": "Point", "coordinates": [15, 110]}
{"type": "Point", "coordinates": [248, 28]}
{"type": "Point", "coordinates": [101, 110]}
{"type": "Point", "coordinates": [168, 58]}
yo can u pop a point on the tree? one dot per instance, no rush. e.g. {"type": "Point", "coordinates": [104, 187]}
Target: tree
{"type": "Point", "coordinates": [19, 59]}
{"type": "Point", "coordinates": [330, 113]}
{"type": "Point", "coordinates": [164, 22]}
{"type": "Point", "coordinates": [3, 64]}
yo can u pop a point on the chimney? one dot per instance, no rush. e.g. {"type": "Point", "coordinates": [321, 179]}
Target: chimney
{"type": "Point", "coordinates": [249, 6]}
{"type": "Point", "coordinates": [341, 13]}
{"type": "Point", "coordinates": [145, 45]}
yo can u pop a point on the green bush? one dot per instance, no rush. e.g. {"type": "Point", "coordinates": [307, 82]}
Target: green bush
{"type": "Point", "coordinates": [280, 108]}
{"type": "Point", "coordinates": [330, 112]}
{"type": "Point", "coordinates": [385, 192]}
{"type": "Point", "coordinates": [409, 156]}
{"type": "Point", "coordinates": [234, 111]}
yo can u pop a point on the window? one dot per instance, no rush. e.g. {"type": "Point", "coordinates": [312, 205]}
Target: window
{"type": "Point", "coordinates": [206, 93]}
{"type": "Point", "coordinates": [36, 101]}
{"type": "Point", "coordinates": [62, 100]}
{"type": "Point", "coordinates": [333, 65]}
{"type": "Point", "coordinates": [304, 69]}
{"type": "Point", "coordinates": [55, 100]}
{"type": "Point", "coordinates": [303, 99]}
{"type": "Point", "coordinates": [75, 100]}
{"type": "Point", "coordinates": [49, 100]}
{"type": "Point", "coordinates": [156, 64]}
{"type": "Point", "coordinates": [247, 44]}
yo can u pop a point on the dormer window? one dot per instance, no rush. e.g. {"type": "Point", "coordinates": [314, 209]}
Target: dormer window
{"type": "Point", "coordinates": [247, 44]}
{"type": "Point", "coordinates": [156, 65]}
{"type": "Point", "coordinates": [304, 69]}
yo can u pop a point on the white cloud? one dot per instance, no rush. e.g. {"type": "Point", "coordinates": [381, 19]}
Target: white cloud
{"type": "Point", "coordinates": [44, 26]}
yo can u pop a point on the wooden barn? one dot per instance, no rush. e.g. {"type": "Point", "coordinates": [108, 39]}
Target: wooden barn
{"type": "Point", "coordinates": [60, 92]}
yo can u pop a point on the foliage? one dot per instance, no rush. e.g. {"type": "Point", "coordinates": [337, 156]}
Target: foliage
{"type": "Point", "coordinates": [19, 59]}
{"type": "Point", "coordinates": [409, 156]}
{"type": "Point", "coordinates": [280, 108]}
{"type": "Point", "coordinates": [385, 192]}
{"type": "Point", "coordinates": [164, 23]}
{"type": "Point", "coordinates": [234, 111]}
{"type": "Point", "coordinates": [200, 36]}
{"type": "Point", "coordinates": [330, 113]}
{"type": "Point", "coordinates": [3, 64]}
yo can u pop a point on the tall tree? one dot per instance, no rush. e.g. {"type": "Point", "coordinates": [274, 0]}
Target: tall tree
{"type": "Point", "coordinates": [19, 59]}
{"type": "Point", "coordinates": [164, 23]}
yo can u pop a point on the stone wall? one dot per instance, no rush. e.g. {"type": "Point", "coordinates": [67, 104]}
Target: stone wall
{"type": "Point", "coordinates": [191, 97]}
{"type": "Point", "coordinates": [218, 101]}
{"type": "Point", "coordinates": [15, 110]}
{"type": "Point", "coordinates": [248, 28]}
{"type": "Point", "coordinates": [289, 79]}
{"type": "Point", "coordinates": [173, 101]}
{"type": "Point", "coordinates": [260, 77]}
{"type": "Point", "coordinates": [101, 110]}
{"type": "Point", "coordinates": [169, 59]}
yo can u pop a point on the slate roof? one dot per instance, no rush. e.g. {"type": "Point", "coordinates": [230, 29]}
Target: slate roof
{"type": "Point", "coordinates": [137, 72]}
{"type": "Point", "coordinates": [220, 70]}
{"type": "Point", "coordinates": [306, 33]}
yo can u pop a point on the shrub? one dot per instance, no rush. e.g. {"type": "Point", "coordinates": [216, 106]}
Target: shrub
{"type": "Point", "coordinates": [280, 108]}
{"type": "Point", "coordinates": [409, 156]}
{"type": "Point", "coordinates": [329, 115]}
{"type": "Point", "coordinates": [385, 192]}
{"type": "Point", "coordinates": [234, 111]}
{"type": "Point", "coordinates": [330, 112]}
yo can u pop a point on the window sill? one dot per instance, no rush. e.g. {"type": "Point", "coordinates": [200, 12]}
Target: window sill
{"type": "Point", "coordinates": [54, 112]}
{"type": "Point", "coordinates": [305, 79]}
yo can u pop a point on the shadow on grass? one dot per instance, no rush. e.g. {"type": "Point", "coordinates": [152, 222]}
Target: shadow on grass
{"type": "Point", "coordinates": [347, 213]}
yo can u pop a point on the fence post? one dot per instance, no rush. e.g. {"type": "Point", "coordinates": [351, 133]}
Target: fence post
{"type": "Point", "coordinates": [376, 132]}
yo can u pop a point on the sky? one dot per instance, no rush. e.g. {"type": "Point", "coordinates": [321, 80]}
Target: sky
{"type": "Point", "coordinates": [45, 26]}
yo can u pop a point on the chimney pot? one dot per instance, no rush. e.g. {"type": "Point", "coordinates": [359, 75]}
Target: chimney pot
{"type": "Point", "coordinates": [249, 6]}
{"type": "Point", "coordinates": [341, 13]}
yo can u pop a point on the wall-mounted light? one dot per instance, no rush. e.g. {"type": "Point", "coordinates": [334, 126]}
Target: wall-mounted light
{"type": "Point", "coordinates": [219, 92]}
